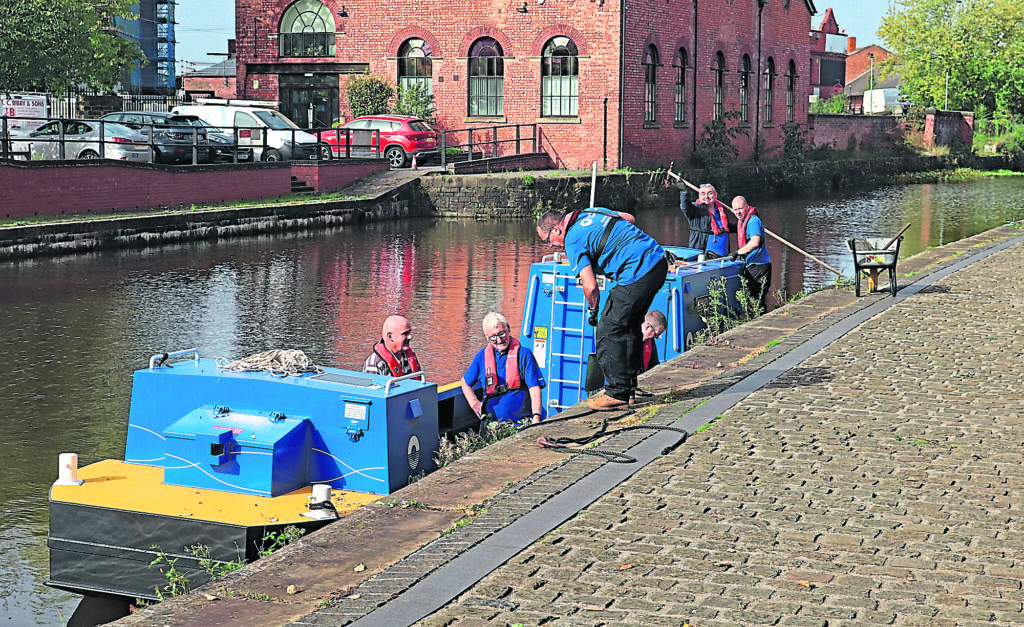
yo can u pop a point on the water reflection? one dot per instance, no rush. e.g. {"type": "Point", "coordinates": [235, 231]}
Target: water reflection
{"type": "Point", "coordinates": [75, 328]}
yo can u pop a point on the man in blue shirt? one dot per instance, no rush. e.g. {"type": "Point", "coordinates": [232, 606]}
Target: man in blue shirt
{"type": "Point", "coordinates": [508, 373]}
{"type": "Point", "coordinates": [757, 273]}
{"type": "Point", "coordinates": [601, 241]}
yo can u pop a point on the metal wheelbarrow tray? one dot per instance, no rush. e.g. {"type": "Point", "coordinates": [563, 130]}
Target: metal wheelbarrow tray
{"type": "Point", "coordinates": [869, 254]}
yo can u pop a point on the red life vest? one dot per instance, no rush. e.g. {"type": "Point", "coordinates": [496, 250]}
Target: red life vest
{"type": "Point", "coordinates": [512, 380]}
{"type": "Point", "coordinates": [741, 230]}
{"type": "Point", "coordinates": [718, 230]}
{"type": "Point", "coordinates": [648, 351]}
{"type": "Point", "coordinates": [393, 364]}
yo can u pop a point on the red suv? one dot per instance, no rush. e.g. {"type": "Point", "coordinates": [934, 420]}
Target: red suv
{"type": "Point", "coordinates": [402, 137]}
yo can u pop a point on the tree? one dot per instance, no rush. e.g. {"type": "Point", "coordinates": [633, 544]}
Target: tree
{"type": "Point", "coordinates": [415, 100]}
{"type": "Point", "coordinates": [976, 45]}
{"type": "Point", "coordinates": [368, 94]}
{"type": "Point", "coordinates": [52, 45]}
{"type": "Point", "coordinates": [838, 103]}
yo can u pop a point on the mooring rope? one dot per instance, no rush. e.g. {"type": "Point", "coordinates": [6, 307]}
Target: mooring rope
{"type": "Point", "coordinates": [280, 363]}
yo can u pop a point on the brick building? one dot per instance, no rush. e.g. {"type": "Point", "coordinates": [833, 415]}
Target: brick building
{"type": "Point", "coordinates": [624, 84]}
{"type": "Point", "coordinates": [829, 47]}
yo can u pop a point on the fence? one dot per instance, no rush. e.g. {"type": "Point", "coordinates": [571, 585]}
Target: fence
{"type": "Point", "coordinates": [487, 141]}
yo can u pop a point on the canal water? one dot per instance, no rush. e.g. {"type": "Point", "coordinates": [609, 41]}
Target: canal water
{"type": "Point", "coordinates": [74, 328]}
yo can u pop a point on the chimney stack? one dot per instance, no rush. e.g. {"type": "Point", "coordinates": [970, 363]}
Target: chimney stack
{"type": "Point", "coordinates": [851, 45]}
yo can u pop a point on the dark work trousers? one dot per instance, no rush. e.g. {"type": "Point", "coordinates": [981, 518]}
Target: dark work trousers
{"type": "Point", "coordinates": [757, 277]}
{"type": "Point", "coordinates": [619, 337]}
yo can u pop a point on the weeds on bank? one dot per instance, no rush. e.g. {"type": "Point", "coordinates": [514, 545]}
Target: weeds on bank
{"type": "Point", "coordinates": [719, 316]}
{"type": "Point", "coordinates": [469, 442]}
{"type": "Point", "coordinates": [178, 582]}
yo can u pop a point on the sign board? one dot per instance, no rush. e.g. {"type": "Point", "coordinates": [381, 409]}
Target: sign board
{"type": "Point", "coordinates": [26, 112]}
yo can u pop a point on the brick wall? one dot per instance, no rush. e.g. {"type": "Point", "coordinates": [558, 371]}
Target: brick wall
{"type": "Point", "coordinates": [868, 132]}
{"type": "Point", "coordinates": [944, 128]}
{"type": "Point", "coordinates": [608, 35]}
{"type": "Point", "coordinates": [99, 186]}
{"type": "Point", "coordinates": [330, 176]}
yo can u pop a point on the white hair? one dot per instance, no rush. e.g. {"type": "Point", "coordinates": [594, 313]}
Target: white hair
{"type": "Point", "coordinates": [493, 320]}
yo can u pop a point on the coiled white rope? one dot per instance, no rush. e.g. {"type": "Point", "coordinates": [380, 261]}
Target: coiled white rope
{"type": "Point", "coordinates": [280, 363]}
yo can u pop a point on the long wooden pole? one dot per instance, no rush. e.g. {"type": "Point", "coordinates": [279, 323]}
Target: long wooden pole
{"type": "Point", "coordinates": [794, 247]}
{"type": "Point", "coordinates": [897, 236]}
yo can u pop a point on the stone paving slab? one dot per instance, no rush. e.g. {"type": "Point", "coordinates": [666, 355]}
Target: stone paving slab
{"type": "Point", "coordinates": [513, 478]}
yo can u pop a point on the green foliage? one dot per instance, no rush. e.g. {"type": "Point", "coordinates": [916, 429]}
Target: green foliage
{"type": "Point", "coordinates": [275, 540]}
{"type": "Point", "coordinates": [52, 45]}
{"type": "Point", "coordinates": [469, 442]}
{"type": "Point", "coordinates": [789, 171]}
{"type": "Point", "coordinates": [838, 103]}
{"type": "Point", "coordinates": [177, 581]}
{"type": "Point", "coordinates": [976, 46]}
{"type": "Point", "coordinates": [715, 148]}
{"type": "Point", "coordinates": [214, 568]}
{"type": "Point", "coordinates": [368, 94]}
{"type": "Point", "coordinates": [415, 100]}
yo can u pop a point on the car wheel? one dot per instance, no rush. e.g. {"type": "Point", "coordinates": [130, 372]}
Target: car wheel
{"type": "Point", "coordinates": [395, 156]}
{"type": "Point", "coordinates": [325, 152]}
{"type": "Point", "coordinates": [273, 155]}
{"type": "Point", "coordinates": [89, 154]}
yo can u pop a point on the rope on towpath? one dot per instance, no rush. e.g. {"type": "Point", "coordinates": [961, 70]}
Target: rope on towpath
{"type": "Point", "coordinates": [561, 444]}
{"type": "Point", "coordinates": [280, 363]}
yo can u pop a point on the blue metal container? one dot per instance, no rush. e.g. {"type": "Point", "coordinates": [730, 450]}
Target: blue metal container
{"type": "Point", "coordinates": [555, 317]}
{"type": "Point", "coordinates": [256, 433]}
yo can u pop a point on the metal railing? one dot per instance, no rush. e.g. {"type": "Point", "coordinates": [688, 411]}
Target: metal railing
{"type": "Point", "coordinates": [492, 141]}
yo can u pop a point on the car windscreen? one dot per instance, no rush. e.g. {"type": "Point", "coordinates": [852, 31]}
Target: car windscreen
{"type": "Point", "coordinates": [275, 120]}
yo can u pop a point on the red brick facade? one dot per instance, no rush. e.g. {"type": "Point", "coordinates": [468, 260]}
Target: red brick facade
{"type": "Point", "coordinates": [611, 38]}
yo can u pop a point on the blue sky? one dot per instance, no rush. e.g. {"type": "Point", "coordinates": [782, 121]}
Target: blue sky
{"type": "Point", "coordinates": [206, 25]}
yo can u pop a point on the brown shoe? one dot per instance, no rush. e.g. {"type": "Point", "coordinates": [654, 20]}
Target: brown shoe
{"type": "Point", "coordinates": [603, 402]}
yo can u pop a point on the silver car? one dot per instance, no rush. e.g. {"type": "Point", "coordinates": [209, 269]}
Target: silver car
{"type": "Point", "coordinates": [84, 139]}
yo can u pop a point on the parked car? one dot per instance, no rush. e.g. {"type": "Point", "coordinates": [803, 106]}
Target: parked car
{"type": "Point", "coordinates": [84, 139]}
{"type": "Point", "coordinates": [222, 143]}
{"type": "Point", "coordinates": [401, 137]}
{"type": "Point", "coordinates": [172, 136]}
{"type": "Point", "coordinates": [269, 133]}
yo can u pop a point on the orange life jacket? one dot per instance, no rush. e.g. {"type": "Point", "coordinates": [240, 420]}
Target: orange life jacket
{"type": "Point", "coordinates": [512, 381]}
{"type": "Point", "coordinates": [393, 364]}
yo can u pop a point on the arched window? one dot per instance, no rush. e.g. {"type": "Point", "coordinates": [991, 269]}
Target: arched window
{"type": "Point", "coordinates": [745, 89]}
{"type": "Point", "coordinates": [650, 85]}
{"type": "Point", "coordinates": [415, 66]}
{"type": "Point", "coordinates": [307, 30]}
{"type": "Point", "coordinates": [719, 70]}
{"type": "Point", "coordinates": [790, 90]}
{"type": "Point", "coordinates": [486, 78]}
{"type": "Point", "coordinates": [559, 78]}
{"type": "Point", "coordinates": [682, 61]}
{"type": "Point", "coordinates": [769, 90]}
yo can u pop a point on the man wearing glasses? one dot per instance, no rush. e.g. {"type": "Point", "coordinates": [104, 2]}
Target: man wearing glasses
{"type": "Point", "coordinates": [508, 374]}
{"type": "Point", "coordinates": [654, 325]}
{"type": "Point", "coordinates": [601, 241]}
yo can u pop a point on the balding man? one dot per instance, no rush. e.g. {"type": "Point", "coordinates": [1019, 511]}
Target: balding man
{"type": "Point", "coordinates": [757, 272]}
{"type": "Point", "coordinates": [393, 356]}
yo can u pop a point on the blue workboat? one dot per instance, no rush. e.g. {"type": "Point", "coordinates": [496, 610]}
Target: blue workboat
{"type": "Point", "coordinates": [223, 459]}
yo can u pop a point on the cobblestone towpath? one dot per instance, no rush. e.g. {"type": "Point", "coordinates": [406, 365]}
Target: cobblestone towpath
{"type": "Point", "coordinates": [866, 469]}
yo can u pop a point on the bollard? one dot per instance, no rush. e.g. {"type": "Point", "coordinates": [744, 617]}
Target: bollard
{"type": "Point", "coordinates": [68, 471]}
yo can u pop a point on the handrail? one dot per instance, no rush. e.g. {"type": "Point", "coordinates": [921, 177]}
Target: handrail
{"type": "Point", "coordinates": [165, 356]}
{"type": "Point", "coordinates": [527, 328]}
{"type": "Point", "coordinates": [493, 142]}
{"type": "Point", "coordinates": [676, 333]}
{"type": "Point", "coordinates": [420, 374]}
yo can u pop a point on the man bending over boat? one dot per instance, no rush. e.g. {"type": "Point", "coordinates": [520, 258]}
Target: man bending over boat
{"type": "Point", "coordinates": [601, 241]}
{"type": "Point", "coordinates": [757, 272]}
{"type": "Point", "coordinates": [508, 373]}
{"type": "Point", "coordinates": [393, 356]}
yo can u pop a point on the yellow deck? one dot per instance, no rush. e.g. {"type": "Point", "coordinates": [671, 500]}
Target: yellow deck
{"type": "Point", "coordinates": [115, 484]}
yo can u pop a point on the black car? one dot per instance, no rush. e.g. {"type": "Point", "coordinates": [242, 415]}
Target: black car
{"type": "Point", "coordinates": [173, 137]}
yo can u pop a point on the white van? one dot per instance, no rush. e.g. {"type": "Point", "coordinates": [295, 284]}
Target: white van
{"type": "Point", "coordinates": [258, 125]}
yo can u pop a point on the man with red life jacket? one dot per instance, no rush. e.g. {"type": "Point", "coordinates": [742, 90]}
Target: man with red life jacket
{"type": "Point", "coordinates": [508, 374]}
{"type": "Point", "coordinates": [654, 325]}
{"type": "Point", "coordinates": [757, 271]}
{"type": "Point", "coordinates": [709, 222]}
{"type": "Point", "coordinates": [603, 242]}
{"type": "Point", "coordinates": [392, 356]}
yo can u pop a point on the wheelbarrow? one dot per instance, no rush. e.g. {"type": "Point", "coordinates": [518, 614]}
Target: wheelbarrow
{"type": "Point", "coordinates": [872, 255]}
